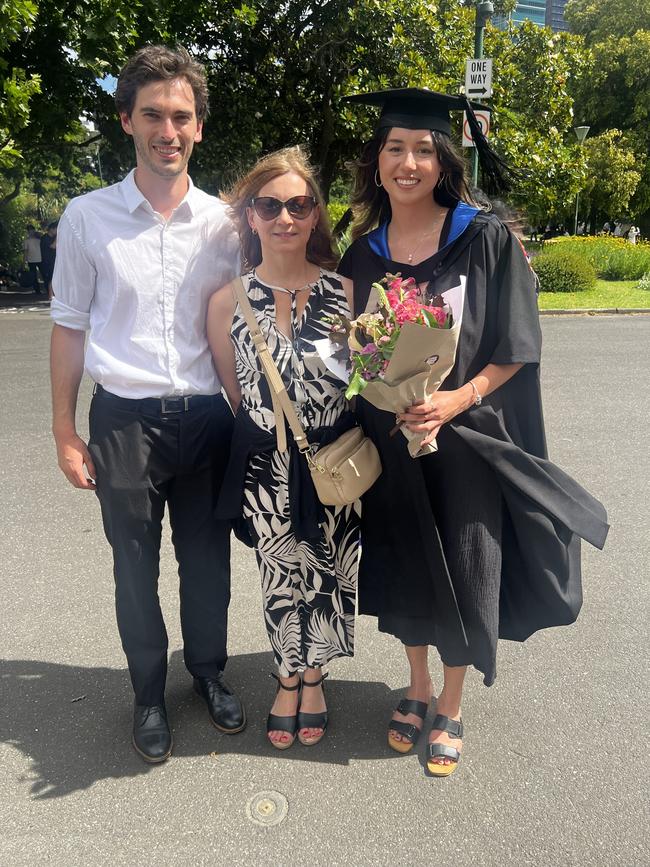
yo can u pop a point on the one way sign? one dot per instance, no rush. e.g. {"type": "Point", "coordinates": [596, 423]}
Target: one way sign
{"type": "Point", "coordinates": [478, 78]}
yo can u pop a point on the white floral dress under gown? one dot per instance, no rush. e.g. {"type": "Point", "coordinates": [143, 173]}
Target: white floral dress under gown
{"type": "Point", "coordinates": [308, 587]}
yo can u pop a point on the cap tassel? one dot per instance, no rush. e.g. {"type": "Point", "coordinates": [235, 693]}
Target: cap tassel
{"type": "Point", "coordinates": [498, 176]}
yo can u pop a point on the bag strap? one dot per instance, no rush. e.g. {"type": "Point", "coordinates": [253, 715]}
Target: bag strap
{"type": "Point", "coordinates": [282, 405]}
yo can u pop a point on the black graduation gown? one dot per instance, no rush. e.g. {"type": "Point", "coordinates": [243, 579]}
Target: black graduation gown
{"type": "Point", "coordinates": [526, 516]}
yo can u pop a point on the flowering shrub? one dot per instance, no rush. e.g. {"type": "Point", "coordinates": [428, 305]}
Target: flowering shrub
{"type": "Point", "coordinates": [612, 258]}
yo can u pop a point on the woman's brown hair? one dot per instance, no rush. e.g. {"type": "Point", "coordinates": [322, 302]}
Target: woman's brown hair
{"type": "Point", "coordinates": [292, 159]}
{"type": "Point", "coordinates": [370, 202]}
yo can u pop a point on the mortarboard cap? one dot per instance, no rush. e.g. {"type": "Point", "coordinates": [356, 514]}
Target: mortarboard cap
{"type": "Point", "coordinates": [419, 108]}
{"type": "Point", "coordinates": [415, 108]}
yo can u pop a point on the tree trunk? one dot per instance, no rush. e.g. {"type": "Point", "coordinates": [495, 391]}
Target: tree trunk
{"type": "Point", "coordinates": [12, 195]}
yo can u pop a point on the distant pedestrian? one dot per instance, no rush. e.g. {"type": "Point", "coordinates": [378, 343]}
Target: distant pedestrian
{"type": "Point", "coordinates": [633, 234]}
{"type": "Point", "coordinates": [32, 255]}
{"type": "Point", "coordinates": [48, 255]}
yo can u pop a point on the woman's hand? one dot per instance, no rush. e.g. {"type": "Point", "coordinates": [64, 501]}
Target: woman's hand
{"type": "Point", "coordinates": [428, 416]}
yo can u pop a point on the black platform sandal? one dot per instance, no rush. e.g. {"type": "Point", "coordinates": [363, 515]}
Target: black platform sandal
{"type": "Point", "coordinates": [407, 730]}
{"type": "Point", "coordinates": [289, 724]}
{"type": "Point", "coordinates": [435, 751]}
{"type": "Point", "coordinates": [312, 720]}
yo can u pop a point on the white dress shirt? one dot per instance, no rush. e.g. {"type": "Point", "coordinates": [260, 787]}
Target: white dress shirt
{"type": "Point", "coordinates": [141, 285]}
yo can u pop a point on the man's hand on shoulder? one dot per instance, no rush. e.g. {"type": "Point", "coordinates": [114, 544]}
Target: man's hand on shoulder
{"type": "Point", "coordinates": [73, 455]}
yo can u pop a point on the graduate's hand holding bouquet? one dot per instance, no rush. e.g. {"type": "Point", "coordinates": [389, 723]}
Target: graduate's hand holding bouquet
{"type": "Point", "coordinates": [401, 353]}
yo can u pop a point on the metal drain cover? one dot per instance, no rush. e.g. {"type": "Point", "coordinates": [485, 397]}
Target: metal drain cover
{"type": "Point", "coordinates": [267, 808]}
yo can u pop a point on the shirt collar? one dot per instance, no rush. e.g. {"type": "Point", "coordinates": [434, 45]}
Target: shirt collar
{"type": "Point", "coordinates": [134, 197]}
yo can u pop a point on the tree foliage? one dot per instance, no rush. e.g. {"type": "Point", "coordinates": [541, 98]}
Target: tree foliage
{"type": "Point", "coordinates": [617, 94]}
{"type": "Point", "coordinates": [612, 176]}
{"type": "Point", "coordinates": [278, 70]}
{"type": "Point", "coordinates": [533, 71]}
{"type": "Point", "coordinates": [597, 20]}
{"type": "Point", "coordinates": [17, 87]}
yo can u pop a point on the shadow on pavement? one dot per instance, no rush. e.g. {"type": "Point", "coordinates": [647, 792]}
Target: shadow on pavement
{"type": "Point", "coordinates": [73, 723]}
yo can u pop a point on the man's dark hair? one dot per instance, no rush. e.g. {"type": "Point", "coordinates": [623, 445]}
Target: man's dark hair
{"type": "Point", "coordinates": [160, 63]}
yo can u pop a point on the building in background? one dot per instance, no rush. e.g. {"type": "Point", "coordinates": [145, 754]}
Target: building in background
{"type": "Point", "coordinates": [545, 13]}
{"type": "Point", "coordinates": [555, 15]}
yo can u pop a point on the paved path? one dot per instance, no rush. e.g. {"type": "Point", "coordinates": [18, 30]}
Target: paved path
{"type": "Point", "coordinates": [555, 766]}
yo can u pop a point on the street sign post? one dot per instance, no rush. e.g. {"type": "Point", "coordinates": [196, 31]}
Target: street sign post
{"type": "Point", "coordinates": [478, 78]}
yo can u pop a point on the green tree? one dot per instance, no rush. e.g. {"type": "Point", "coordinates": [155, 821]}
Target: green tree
{"type": "Point", "coordinates": [617, 94]}
{"type": "Point", "coordinates": [597, 20]}
{"type": "Point", "coordinates": [17, 87]}
{"type": "Point", "coordinates": [533, 69]}
{"type": "Point", "coordinates": [612, 176]}
{"type": "Point", "coordinates": [278, 70]}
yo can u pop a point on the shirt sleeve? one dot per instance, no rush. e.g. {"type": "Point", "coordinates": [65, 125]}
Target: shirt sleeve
{"type": "Point", "coordinates": [519, 336]}
{"type": "Point", "coordinates": [73, 281]}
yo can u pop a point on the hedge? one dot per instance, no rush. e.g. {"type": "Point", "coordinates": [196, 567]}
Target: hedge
{"type": "Point", "coordinates": [563, 271]}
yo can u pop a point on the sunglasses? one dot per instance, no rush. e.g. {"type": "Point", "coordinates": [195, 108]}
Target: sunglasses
{"type": "Point", "coordinates": [268, 208]}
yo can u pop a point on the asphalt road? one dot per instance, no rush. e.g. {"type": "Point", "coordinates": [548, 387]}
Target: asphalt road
{"type": "Point", "coordinates": [555, 764]}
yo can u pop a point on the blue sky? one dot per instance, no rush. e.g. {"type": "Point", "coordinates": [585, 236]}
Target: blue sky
{"type": "Point", "coordinates": [108, 83]}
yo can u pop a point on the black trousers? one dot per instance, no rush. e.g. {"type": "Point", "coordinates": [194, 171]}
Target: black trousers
{"type": "Point", "coordinates": [145, 458]}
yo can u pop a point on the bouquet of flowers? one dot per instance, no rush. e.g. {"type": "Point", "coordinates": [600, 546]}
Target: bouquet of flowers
{"type": "Point", "coordinates": [402, 352]}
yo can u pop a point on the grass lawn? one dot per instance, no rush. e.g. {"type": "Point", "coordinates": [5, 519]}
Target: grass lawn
{"type": "Point", "coordinates": [606, 293]}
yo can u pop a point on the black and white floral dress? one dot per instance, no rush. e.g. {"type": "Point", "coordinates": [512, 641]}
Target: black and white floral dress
{"type": "Point", "coordinates": [308, 587]}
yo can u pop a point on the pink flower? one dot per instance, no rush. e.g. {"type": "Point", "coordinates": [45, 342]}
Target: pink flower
{"type": "Point", "coordinates": [369, 349]}
{"type": "Point", "coordinates": [439, 313]}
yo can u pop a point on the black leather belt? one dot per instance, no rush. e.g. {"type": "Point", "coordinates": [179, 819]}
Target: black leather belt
{"type": "Point", "coordinates": [159, 405]}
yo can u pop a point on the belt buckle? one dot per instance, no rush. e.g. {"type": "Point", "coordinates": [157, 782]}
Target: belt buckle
{"type": "Point", "coordinates": [170, 405]}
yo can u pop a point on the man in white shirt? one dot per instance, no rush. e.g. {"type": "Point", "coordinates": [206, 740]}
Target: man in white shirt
{"type": "Point", "coordinates": [136, 264]}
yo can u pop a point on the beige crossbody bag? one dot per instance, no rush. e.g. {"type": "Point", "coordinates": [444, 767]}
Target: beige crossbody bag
{"type": "Point", "coordinates": [341, 471]}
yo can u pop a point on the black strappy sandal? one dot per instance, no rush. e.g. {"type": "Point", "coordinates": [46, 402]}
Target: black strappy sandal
{"type": "Point", "coordinates": [312, 720]}
{"type": "Point", "coordinates": [289, 724]}
{"type": "Point", "coordinates": [435, 751]}
{"type": "Point", "coordinates": [408, 730]}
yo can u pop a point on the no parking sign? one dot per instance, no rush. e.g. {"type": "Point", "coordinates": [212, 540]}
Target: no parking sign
{"type": "Point", "coordinates": [483, 117]}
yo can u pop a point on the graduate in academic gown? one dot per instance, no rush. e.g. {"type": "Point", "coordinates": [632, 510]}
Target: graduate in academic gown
{"type": "Point", "coordinates": [481, 539]}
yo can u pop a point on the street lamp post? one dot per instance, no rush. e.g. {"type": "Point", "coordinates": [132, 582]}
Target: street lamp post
{"type": "Point", "coordinates": [581, 135]}
{"type": "Point", "coordinates": [99, 166]}
{"type": "Point", "coordinates": [484, 11]}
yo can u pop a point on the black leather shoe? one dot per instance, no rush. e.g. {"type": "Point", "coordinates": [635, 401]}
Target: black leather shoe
{"type": "Point", "coordinates": [152, 739]}
{"type": "Point", "coordinates": [225, 709]}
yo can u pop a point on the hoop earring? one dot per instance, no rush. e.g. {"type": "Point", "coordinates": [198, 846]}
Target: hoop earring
{"type": "Point", "coordinates": [378, 182]}
{"type": "Point", "coordinates": [253, 230]}
{"type": "Point", "coordinates": [442, 181]}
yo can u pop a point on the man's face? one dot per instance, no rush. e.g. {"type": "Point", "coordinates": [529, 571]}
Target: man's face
{"type": "Point", "coordinates": [164, 127]}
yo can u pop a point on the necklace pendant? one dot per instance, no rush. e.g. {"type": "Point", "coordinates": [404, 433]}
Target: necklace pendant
{"type": "Point", "coordinates": [410, 258]}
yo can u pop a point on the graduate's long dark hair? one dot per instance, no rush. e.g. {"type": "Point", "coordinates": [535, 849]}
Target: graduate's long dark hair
{"type": "Point", "coordinates": [370, 203]}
